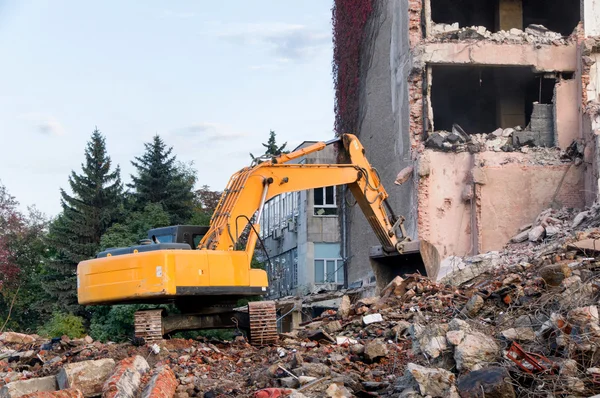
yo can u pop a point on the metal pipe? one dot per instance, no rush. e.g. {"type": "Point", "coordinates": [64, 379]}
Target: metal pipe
{"type": "Point", "coordinates": [263, 198]}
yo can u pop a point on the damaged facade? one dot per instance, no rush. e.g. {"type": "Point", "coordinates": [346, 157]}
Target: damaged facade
{"type": "Point", "coordinates": [495, 106]}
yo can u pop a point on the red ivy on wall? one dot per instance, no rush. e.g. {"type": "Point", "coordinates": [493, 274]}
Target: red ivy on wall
{"type": "Point", "coordinates": [348, 19]}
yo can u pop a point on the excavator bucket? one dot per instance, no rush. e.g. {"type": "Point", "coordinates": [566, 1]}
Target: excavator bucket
{"type": "Point", "coordinates": [417, 257]}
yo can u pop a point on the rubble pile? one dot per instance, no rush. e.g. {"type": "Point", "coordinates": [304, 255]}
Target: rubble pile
{"type": "Point", "coordinates": [523, 321]}
{"type": "Point", "coordinates": [533, 34]}
{"type": "Point", "coordinates": [503, 140]}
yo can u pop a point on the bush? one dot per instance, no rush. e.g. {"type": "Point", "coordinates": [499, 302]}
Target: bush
{"type": "Point", "coordinates": [63, 324]}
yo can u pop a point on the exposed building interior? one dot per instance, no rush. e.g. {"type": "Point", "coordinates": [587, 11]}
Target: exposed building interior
{"type": "Point", "coordinates": [482, 99]}
{"type": "Point", "coordinates": [559, 16]}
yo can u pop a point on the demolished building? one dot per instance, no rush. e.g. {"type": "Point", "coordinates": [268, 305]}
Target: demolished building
{"type": "Point", "coordinates": [494, 104]}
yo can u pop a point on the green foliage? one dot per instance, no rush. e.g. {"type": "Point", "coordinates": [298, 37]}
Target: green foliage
{"type": "Point", "coordinates": [161, 180]}
{"type": "Point", "coordinates": [205, 203]}
{"type": "Point", "coordinates": [63, 324]}
{"type": "Point", "coordinates": [273, 149]}
{"type": "Point", "coordinates": [135, 227]}
{"type": "Point", "coordinates": [96, 204]}
{"type": "Point", "coordinates": [113, 323]}
{"type": "Point", "coordinates": [257, 264]}
{"type": "Point", "coordinates": [23, 253]}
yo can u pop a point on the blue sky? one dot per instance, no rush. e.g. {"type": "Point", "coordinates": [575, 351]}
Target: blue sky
{"type": "Point", "coordinates": [211, 77]}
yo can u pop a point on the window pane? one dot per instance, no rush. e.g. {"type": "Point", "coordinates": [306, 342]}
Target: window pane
{"type": "Point", "coordinates": [340, 272]}
{"type": "Point", "coordinates": [319, 271]}
{"type": "Point", "coordinates": [318, 196]}
{"type": "Point", "coordinates": [330, 277]}
{"type": "Point", "coordinates": [329, 199]}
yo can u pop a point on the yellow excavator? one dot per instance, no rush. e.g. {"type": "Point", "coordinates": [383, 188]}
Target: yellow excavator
{"type": "Point", "coordinates": [204, 271]}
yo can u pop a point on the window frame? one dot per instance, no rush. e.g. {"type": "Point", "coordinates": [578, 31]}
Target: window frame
{"type": "Point", "coordinates": [339, 264]}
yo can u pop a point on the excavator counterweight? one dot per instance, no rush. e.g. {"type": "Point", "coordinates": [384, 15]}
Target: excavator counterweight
{"type": "Point", "coordinates": [204, 271]}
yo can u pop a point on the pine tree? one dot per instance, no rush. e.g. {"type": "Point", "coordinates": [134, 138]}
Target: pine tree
{"type": "Point", "coordinates": [96, 204]}
{"type": "Point", "coordinates": [273, 149]}
{"type": "Point", "coordinates": [161, 180]}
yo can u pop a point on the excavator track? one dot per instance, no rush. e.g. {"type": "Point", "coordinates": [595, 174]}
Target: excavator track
{"type": "Point", "coordinates": [263, 323]}
{"type": "Point", "coordinates": [148, 325]}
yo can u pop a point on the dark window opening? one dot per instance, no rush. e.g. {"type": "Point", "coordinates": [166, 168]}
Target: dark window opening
{"type": "Point", "coordinates": [560, 16]}
{"type": "Point", "coordinates": [465, 12]}
{"type": "Point", "coordinates": [482, 99]}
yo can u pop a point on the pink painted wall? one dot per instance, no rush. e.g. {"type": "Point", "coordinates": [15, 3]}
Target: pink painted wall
{"type": "Point", "coordinates": [444, 218]}
{"type": "Point", "coordinates": [514, 192]}
{"type": "Point", "coordinates": [567, 112]}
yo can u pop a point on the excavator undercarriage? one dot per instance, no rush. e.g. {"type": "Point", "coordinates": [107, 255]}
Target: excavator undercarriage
{"type": "Point", "coordinates": [258, 320]}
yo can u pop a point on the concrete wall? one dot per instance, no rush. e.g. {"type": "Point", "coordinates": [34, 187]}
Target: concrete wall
{"type": "Point", "coordinates": [509, 191]}
{"type": "Point", "coordinates": [546, 58]}
{"type": "Point", "coordinates": [384, 124]}
{"type": "Point", "coordinates": [515, 194]}
{"type": "Point", "coordinates": [445, 217]}
{"type": "Point", "coordinates": [566, 113]}
{"type": "Point", "coordinates": [591, 17]}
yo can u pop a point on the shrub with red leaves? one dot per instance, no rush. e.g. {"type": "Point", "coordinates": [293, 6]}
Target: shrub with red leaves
{"type": "Point", "coordinates": [348, 19]}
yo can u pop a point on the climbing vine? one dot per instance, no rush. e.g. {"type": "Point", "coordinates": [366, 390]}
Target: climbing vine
{"type": "Point", "coordinates": [348, 19]}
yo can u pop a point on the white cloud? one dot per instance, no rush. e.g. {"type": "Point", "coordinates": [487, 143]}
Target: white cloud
{"type": "Point", "coordinates": [44, 123]}
{"type": "Point", "coordinates": [288, 42]}
{"type": "Point", "coordinates": [206, 133]}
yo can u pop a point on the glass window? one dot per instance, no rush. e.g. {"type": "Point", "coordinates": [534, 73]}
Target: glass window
{"type": "Point", "coordinates": [324, 201]}
{"type": "Point", "coordinates": [319, 271]}
{"type": "Point", "coordinates": [319, 197]}
{"type": "Point", "coordinates": [329, 196]}
{"type": "Point", "coordinates": [164, 238]}
{"type": "Point", "coordinates": [331, 271]}
{"type": "Point", "coordinates": [197, 239]}
{"type": "Point", "coordinates": [340, 272]}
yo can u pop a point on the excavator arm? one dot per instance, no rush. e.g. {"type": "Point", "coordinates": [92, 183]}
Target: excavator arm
{"type": "Point", "coordinates": [244, 198]}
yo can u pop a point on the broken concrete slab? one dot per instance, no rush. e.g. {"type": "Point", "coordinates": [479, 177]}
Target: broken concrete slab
{"type": "Point", "coordinates": [536, 233]}
{"type": "Point", "coordinates": [86, 376]}
{"type": "Point", "coordinates": [404, 175]}
{"type": "Point", "coordinates": [475, 350]}
{"type": "Point", "coordinates": [434, 382]}
{"type": "Point", "coordinates": [375, 349]}
{"type": "Point", "coordinates": [16, 338]}
{"type": "Point", "coordinates": [519, 334]}
{"type": "Point", "coordinates": [22, 387]}
{"type": "Point", "coordinates": [372, 318]}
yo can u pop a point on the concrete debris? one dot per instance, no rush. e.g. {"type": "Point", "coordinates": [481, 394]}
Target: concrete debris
{"type": "Point", "coordinates": [475, 350]}
{"type": "Point", "coordinates": [432, 382]}
{"type": "Point", "coordinates": [412, 340]}
{"type": "Point", "coordinates": [533, 34]}
{"type": "Point", "coordinates": [404, 175]}
{"type": "Point", "coordinates": [16, 338]}
{"type": "Point", "coordinates": [375, 349]}
{"type": "Point", "coordinates": [22, 387]}
{"type": "Point", "coordinates": [86, 376]}
{"type": "Point", "coordinates": [372, 318]}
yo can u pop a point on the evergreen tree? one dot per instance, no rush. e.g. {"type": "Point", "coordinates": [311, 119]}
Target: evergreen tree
{"type": "Point", "coordinates": [161, 180]}
{"type": "Point", "coordinates": [273, 149]}
{"type": "Point", "coordinates": [96, 204]}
